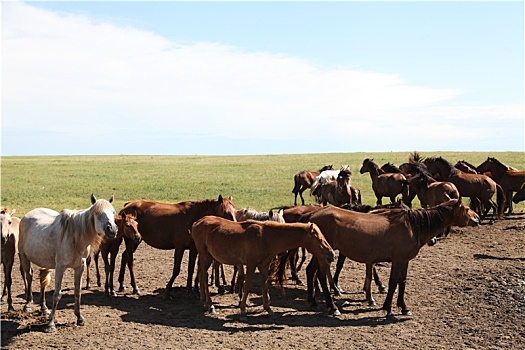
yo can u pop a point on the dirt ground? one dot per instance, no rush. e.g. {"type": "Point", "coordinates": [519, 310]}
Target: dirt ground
{"type": "Point", "coordinates": [466, 292]}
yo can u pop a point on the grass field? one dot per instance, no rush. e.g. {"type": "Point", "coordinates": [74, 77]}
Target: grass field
{"type": "Point", "coordinates": [260, 182]}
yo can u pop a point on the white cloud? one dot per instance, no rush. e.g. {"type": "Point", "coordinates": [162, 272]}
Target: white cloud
{"type": "Point", "coordinates": [70, 70]}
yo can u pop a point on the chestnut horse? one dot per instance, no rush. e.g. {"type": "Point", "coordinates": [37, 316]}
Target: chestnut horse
{"type": "Point", "coordinates": [385, 185]}
{"type": "Point", "coordinates": [304, 179]}
{"type": "Point", "coordinates": [127, 227]}
{"type": "Point", "coordinates": [429, 191]}
{"type": "Point", "coordinates": [167, 226]}
{"type": "Point", "coordinates": [389, 235]}
{"type": "Point", "coordinates": [510, 180]}
{"type": "Point", "coordinates": [253, 244]}
{"type": "Point", "coordinates": [10, 225]}
{"type": "Point", "coordinates": [480, 188]}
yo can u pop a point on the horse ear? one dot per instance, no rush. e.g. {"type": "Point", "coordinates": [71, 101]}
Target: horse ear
{"type": "Point", "coordinates": [220, 198]}
{"type": "Point", "coordinates": [111, 198]}
{"type": "Point", "coordinates": [13, 211]}
{"type": "Point", "coordinates": [93, 198]}
{"type": "Point", "coordinates": [230, 198]}
{"type": "Point", "coordinates": [271, 213]}
{"type": "Point", "coordinates": [281, 212]}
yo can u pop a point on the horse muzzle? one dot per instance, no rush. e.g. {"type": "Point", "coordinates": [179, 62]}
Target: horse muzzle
{"type": "Point", "coordinates": [4, 239]}
{"type": "Point", "coordinates": [110, 230]}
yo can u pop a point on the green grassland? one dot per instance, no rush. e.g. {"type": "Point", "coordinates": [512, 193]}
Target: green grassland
{"type": "Point", "coordinates": [260, 182]}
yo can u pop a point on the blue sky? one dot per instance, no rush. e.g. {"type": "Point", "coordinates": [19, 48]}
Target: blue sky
{"type": "Point", "coordinates": [261, 77]}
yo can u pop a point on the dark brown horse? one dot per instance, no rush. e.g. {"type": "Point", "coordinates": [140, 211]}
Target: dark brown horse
{"type": "Point", "coordinates": [168, 226]}
{"type": "Point", "coordinates": [303, 180]}
{"type": "Point", "coordinates": [390, 168]}
{"type": "Point", "coordinates": [510, 180]}
{"type": "Point", "coordinates": [253, 244]}
{"type": "Point", "coordinates": [385, 185]}
{"type": "Point", "coordinates": [478, 187]}
{"type": "Point", "coordinates": [391, 235]}
{"type": "Point", "coordinates": [127, 227]}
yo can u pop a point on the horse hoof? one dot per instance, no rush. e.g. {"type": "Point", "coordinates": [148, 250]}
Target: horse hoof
{"type": "Point", "coordinates": [371, 303]}
{"type": "Point", "coordinates": [81, 321]}
{"type": "Point", "coordinates": [27, 309]}
{"type": "Point", "coordinates": [406, 312]}
{"type": "Point", "coordinates": [221, 290]}
{"type": "Point", "coordinates": [299, 282]}
{"type": "Point", "coordinates": [382, 289]}
{"type": "Point", "coordinates": [137, 291]}
{"type": "Point", "coordinates": [336, 312]}
{"type": "Point", "coordinates": [391, 317]}
{"type": "Point", "coordinates": [212, 310]}
{"type": "Point", "coordinates": [122, 288]}
{"type": "Point", "coordinates": [50, 328]}
{"type": "Point", "coordinates": [113, 293]}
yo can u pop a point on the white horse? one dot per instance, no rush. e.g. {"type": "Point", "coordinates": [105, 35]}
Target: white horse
{"type": "Point", "coordinates": [324, 178]}
{"type": "Point", "coordinates": [53, 240]}
{"type": "Point", "coordinates": [9, 232]}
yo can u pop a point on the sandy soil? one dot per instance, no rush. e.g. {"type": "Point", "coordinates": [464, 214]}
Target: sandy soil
{"type": "Point", "coordinates": [466, 292]}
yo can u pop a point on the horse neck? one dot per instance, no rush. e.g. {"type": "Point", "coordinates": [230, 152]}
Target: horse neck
{"type": "Point", "coordinates": [80, 225]}
{"type": "Point", "coordinates": [427, 223]}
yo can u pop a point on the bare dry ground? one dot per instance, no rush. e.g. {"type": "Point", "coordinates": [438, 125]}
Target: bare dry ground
{"type": "Point", "coordinates": [466, 292]}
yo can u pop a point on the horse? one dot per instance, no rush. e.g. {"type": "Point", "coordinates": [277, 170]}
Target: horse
{"type": "Point", "coordinates": [388, 235]}
{"type": "Point", "coordinates": [58, 241]}
{"type": "Point", "coordinates": [480, 188]}
{"type": "Point", "coordinates": [385, 185]}
{"type": "Point", "coordinates": [466, 167]}
{"type": "Point", "coordinates": [168, 226]}
{"type": "Point", "coordinates": [340, 191]}
{"type": "Point", "coordinates": [10, 228]}
{"type": "Point", "coordinates": [243, 215]}
{"type": "Point", "coordinates": [390, 168]}
{"type": "Point", "coordinates": [323, 178]}
{"type": "Point", "coordinates": [509, 179]}
{"type": "Point", "coordinates": [304, 180]}
{"type": "Point", "coordinates": [253, 244]}
{"type": "Point", "coordinates": [429, 191]}
{"type": "Point", "coordinates": [127, 227]}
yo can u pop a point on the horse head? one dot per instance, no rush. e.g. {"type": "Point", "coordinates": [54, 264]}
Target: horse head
{"type": "Point", "coordinates": [320, 247]}
{"type": "Point", "coordinates": [5, 218]}
{"type": "Point", "coordinates": [128, 227]}
{"type": "Point", "coordinates": [462, 215]}
{"type": "Point", "coordinates": [225, 208]}
{"type": "Point", "coordinates": [104, 216]}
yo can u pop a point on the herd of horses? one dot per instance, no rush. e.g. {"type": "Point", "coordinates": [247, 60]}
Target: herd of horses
{"type": "Point", "coordinates": [216, 233]}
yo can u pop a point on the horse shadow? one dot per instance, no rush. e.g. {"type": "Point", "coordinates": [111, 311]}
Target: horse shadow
{"type": "Point", "coordinates": [492, 257]}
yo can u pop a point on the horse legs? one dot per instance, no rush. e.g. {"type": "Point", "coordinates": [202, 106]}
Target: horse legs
{"type": "Point", "coordinates": [264, 287]}
{"type": "Point", "coordinates": [401, 295]}
{"type": "Point", "coordinates": [233, 285]}
{"type": "Point", "coordinates": [303, 257]}
{"type": "Point", "coordinates": [301, 195]}
{"type": "Point", "coordinates": [398, 273]}
{"type": "Point", "coordinates": [367, 287]}
{"type": "Point", "coordinates": [292, 257]}
{"type": "Point", "coordinates": [205, 260]}
{"type": "Point", "coordinates": [78, 280]}
{"type": "Point", "coordinates": [340, 262]}
{"type": "Point", "coordinates": [250, 270]}
{"type": "Point", "coordinates": [192, 258]}
{"type": "Point", "coordinates": [57, 294]}
{"type": "Point", "coordinates": [88, 263]}
{"type": "Point", "coordinates": [95, 257]}
{"type": "Point", "coordinates": [27, 276]}
{"type": "Point", "coordinates": [240, 280]}
{"type": "Point", "coordinates": [127, 260]}
{"type": "Point", "coordinates": [379, 284]}
{"type": "Point", "coordinates": [8, 268]}
{"type": "Point", "coordinates": [311, 275]}
{"type": "Point", "coordinates": [177, 257]}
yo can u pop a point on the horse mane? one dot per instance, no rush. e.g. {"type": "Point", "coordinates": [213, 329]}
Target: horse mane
{"type": "Point", "coordinates": [497, 162]}
{"type": "Point", "coordinates": [75, 222]}
{"type": "Point", "coordinates": [467, 163]}
{"type": "Point", "coordinates": [452, 170]}
{"type": "Point", "coordinates": [415, 157]}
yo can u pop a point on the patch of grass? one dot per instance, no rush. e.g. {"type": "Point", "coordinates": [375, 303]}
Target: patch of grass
{"type": "Point", "coordinates": [260, 182]}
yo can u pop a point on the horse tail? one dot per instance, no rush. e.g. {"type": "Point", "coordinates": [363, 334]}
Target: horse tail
{"type": "Point", "coordinates": [278, 270]}
{"type": "Point", "coordinates": [45, 278]}
{"type": "Point", "coordinates": [297, 184]}
{"type": "Point", "coordinates": [501, 201]}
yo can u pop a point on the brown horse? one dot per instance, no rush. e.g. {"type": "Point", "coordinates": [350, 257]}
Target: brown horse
{"type": "Point", "coordinates": [304, 179]}
{"type": "Point", "coordinates": [385, 185]}
{"type": "Point", "coordinates": [253, 244]}
{"type": "Point", "coordinates": [127, 227]}
{"type": "Point", "coordinates": [429, 191]}
{"type": "Point", "coordinates": [390, 235]}
{"type": "Point", "coordinates": [168, 226]}
{"type": "Point", "coordinates": [510, 180]}
{"type": "Point", "coordinates": [10, 225]}
{"type": "Point", "coordinates": [466, 167]}
{"type": "Point", "coordinates": [480, 188]}
{"type": "Point", "coordinates": [390, 168]}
